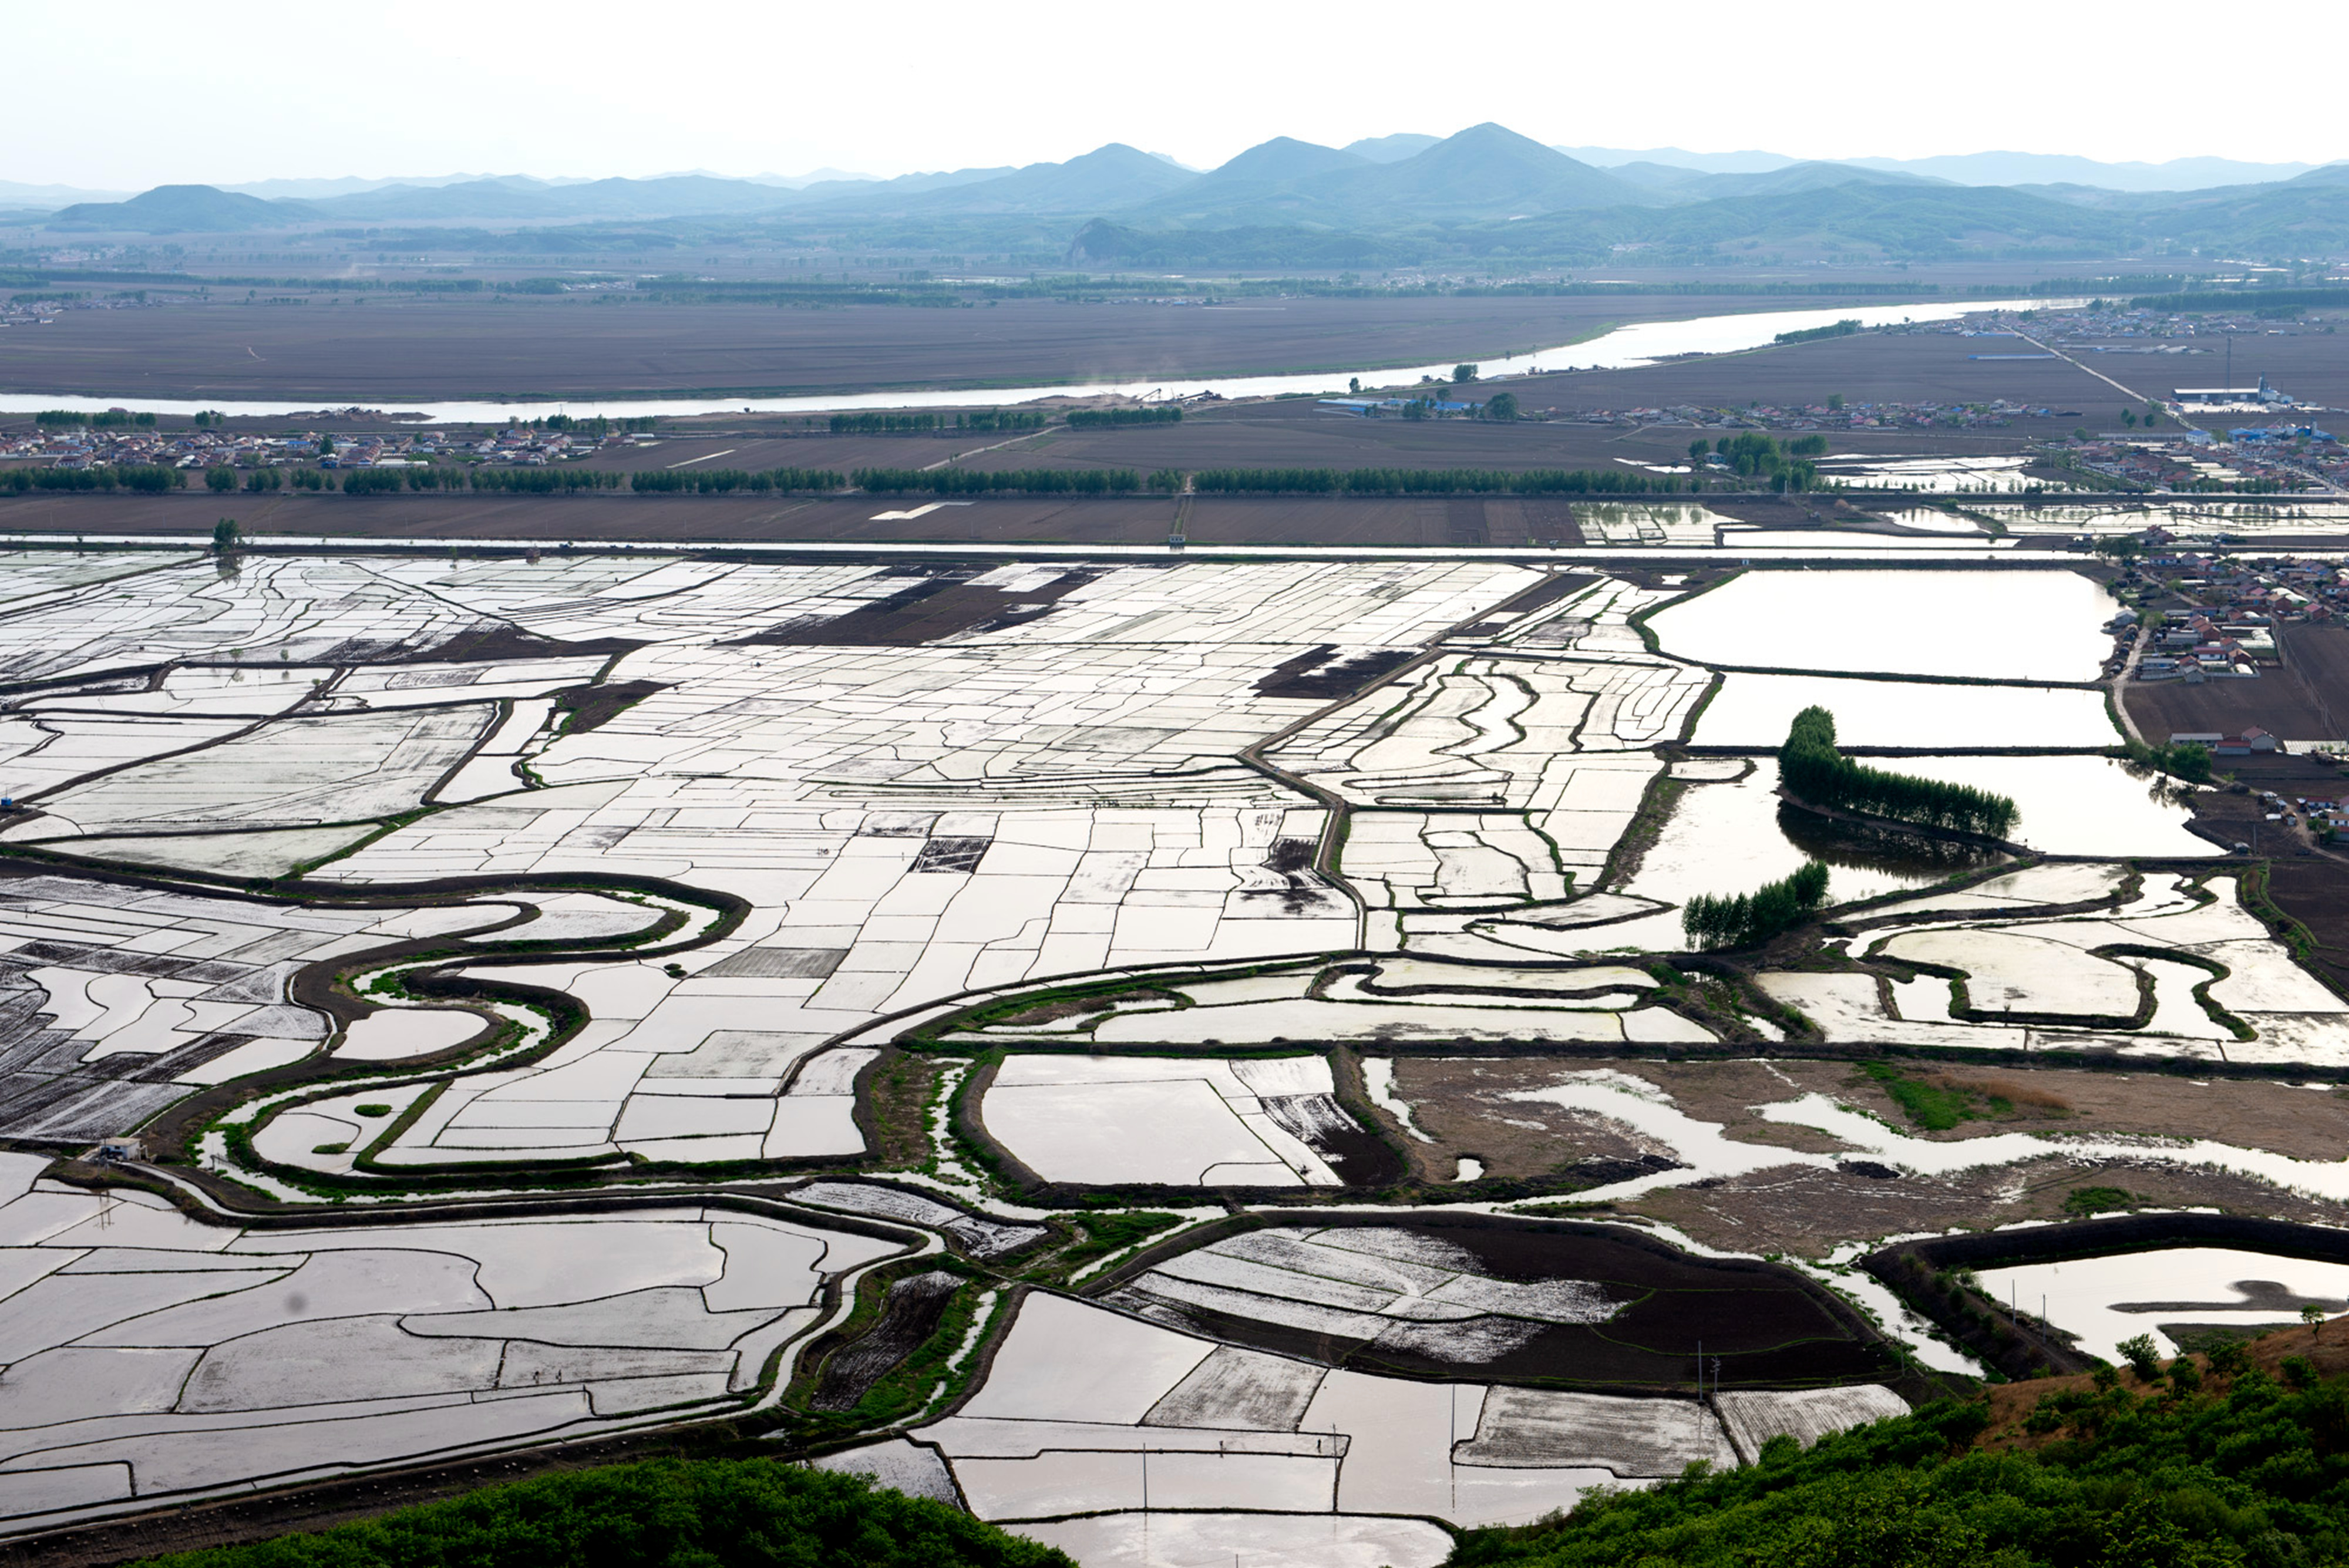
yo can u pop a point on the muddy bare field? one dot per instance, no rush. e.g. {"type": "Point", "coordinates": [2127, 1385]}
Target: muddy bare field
{"type": "Point", "coordinates": [1464, 1104]}
{"type": "Point", "coordinates": [1935, 366]}
{"type": "Point", "coordinates": [1810, 1211]}
{"type": "Point", "coordinates": [390, 350]}
{"type": "Point", "coordinates": [1472, 1108]}
{"type": "Point", "coordinates": [1299, 432]}
{"type": "Point", "coordinates": [1500, 522]}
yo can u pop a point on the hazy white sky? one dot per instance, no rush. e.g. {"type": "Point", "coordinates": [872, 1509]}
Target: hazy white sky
{"type": "Point", "coordinates": [140, 93]}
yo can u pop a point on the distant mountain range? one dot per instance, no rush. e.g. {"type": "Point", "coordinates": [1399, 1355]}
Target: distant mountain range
{"type": "Point", "coordinates": [1484, 191]}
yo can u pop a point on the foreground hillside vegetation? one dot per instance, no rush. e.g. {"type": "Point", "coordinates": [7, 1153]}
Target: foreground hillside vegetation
{"type": "Point", "coordinates": [664, 1513]}
{"type": "Point", "coordinates": [2221, 1461]}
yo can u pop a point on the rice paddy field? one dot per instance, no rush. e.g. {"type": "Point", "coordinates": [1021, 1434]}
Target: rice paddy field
{"type": "Point", "coordinates": [1179, 1055]}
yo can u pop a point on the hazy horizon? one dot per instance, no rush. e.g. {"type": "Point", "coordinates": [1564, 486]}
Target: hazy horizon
{"type": "Point", "coordinates": [744, 91]}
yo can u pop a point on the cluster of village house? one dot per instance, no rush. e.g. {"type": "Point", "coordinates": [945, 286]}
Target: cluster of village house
{"type": "Point", "coordinates": [2290, 454]}
{"type": "Point", "coordinates": [2227, 629]}
{"type": "Point", "coordinates": [1848, 416]}
{"type": "Point", "coordinates": [76, 447]}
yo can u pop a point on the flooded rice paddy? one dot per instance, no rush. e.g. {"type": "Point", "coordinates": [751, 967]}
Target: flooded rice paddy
{"type": "Point", "coordinates": [1754, 710]}
{"type": "Point", "coordinates": [2078, 805]}
{"type": "Point", "coordinates": [2173, 1293]}
{"type": "Point", "coordinates": [1069, 837]}
{"type": "Point", "coordinates": [1986, 624]}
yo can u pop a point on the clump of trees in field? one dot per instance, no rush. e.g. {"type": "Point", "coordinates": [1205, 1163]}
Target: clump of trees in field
{"type": "Point", "coordinates": [1811, 767]}
{"type": "Point", "coordinates": [1741, 920]}
{"type": "Point", "coordinates": [1751, 454]}
{"type": "Point", "coordinates": [2187, 760]}
{"type": "Point", "coordinates": [1431, 481]}
{"type": "Point", "coordinates": [1844, 328]}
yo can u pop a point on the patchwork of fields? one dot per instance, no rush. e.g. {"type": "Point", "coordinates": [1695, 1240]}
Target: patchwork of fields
{"type": "Point", "coordinates": [1082, 1039]}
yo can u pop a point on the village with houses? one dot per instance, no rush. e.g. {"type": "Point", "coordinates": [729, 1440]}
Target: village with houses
{"type": "Point", "coordinates": [118, 439]}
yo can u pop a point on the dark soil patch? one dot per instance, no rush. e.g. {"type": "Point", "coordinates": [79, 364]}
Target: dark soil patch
{"type": "Point", "coordinates": [943, 604]}
{"type": "Point", "coordinates": [1766, 1325]}
{"type": "Point", "coordinates": [956, 854]}
{"type": "Point", "coordinates": [1358, 1156]}
{"type": "Point", "coordinates": [586, 708]}
{"type": "Point", "coordinates": [910, 1314]}
{"type": "Point", "coordinates": [481, 644]}
{"type": "Point", "coordinates": [1313, 676]}
{"type": "Point", "coordinates": [2314, 891]}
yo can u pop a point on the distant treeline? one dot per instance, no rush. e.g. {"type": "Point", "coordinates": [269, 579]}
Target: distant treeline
{"type": "Point", "coordinates": [599, 426]}
{"type": "Point", "coordinates": [1091, 418]}
{"type": "Point", "coordinates": [1741, 920]}
{"type": "Point", "coordinates": [2253, 300]}
{"type": "Point", "coordinates": [1903, 290]}
{"type": "Point", "coordinates": [112, 419]}
{"type": "Point", "coordinates": [1810, 767]}
{"type": "Point", "coordinates": [1432, 482]}
{"type": "Point", "coordinates": [514, 481]}
{"type": "Point", "coordinates": [719, 481]}
{"type": "Point", "coordinates": [980, 482]}
{"type": "Point", "coordinates": [981, 421]}
{"type": "Point", "coordinates": [150, 478]}
{"type": "Point", "coordinates": [1844, 328]}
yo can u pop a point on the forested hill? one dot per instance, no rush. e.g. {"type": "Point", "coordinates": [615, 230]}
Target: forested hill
{"type": "Point", "coordinates": [2215, 1462]}
{"type": "Point", "coordinates": [664, 1513]}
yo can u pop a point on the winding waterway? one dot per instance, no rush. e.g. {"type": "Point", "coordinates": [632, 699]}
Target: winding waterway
{"type": "Point", "coordinates": [1626, 348]}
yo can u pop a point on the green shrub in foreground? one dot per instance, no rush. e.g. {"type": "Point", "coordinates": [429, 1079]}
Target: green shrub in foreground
{"type": "Point", "coordinates": [2257, 1476]}
{"type": "Point", "coordinates": [663, 1513]}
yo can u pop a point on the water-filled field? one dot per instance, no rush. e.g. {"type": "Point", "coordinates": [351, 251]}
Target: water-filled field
{"type": "Point", "coordinates": [1993, 626]}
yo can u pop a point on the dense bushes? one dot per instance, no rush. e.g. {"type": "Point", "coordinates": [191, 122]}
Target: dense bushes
{"type": "Point", "coordinates": [665, 1513]}
{"type": "Point", "coordinates": [1810, 767]}
{"type": "Point", "coordinates": [1159, 414]}
{"type": "Point", "coordinates": [1741, 920]}
{"type": "Point", "coordinates": [980, 481]}
{"type": "Point", "coordinates": [2187, 760]}
{"type": "Point", "coordinates": [1431, 481]}
{"type": "Point", "coordinates": [2257, 1475]}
